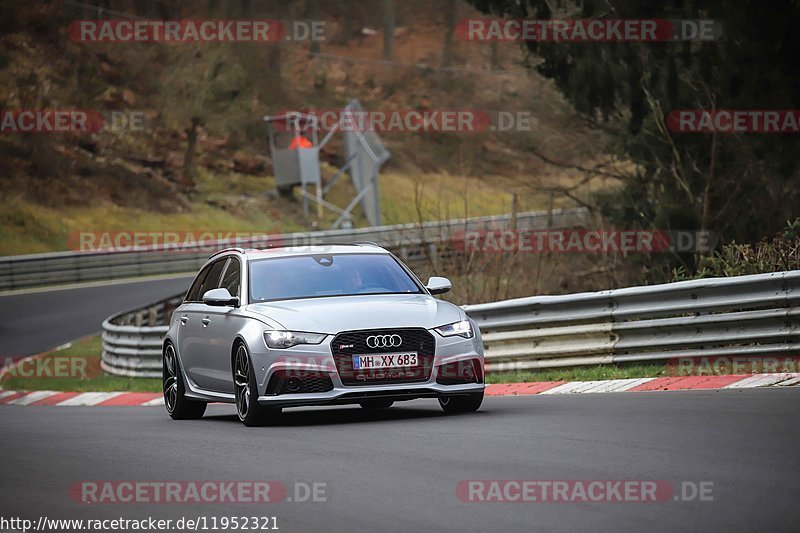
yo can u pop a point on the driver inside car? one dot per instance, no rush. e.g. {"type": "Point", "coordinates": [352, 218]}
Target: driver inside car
{"type": "Point", "coordinates": [355, 280]}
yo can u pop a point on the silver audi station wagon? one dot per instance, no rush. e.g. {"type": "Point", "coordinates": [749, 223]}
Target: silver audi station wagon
{"type": "Point", "coordinates": [317, 325]}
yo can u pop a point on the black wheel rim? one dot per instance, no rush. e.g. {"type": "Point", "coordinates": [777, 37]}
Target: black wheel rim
{"type": "Point", "coordinates": [170, 378]}
{"type": "Point", "coordinates": [242, 382]}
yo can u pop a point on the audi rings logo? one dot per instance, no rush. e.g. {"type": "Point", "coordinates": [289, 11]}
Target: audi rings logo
{"type": "Point", "coordinates": [384, 341]}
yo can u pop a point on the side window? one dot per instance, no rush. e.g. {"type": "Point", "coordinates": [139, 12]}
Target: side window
{"type": "Point", "coordinates": [232, 276]}
{"type": "Point", "coordinates": [210, 281]}
{"type": "Point", "coordinates": [192, 295]}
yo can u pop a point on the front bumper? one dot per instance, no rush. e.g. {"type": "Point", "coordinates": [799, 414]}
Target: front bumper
{"type": "Point", "coordinates": [318, 360]}
{"type": "Point", "coordinates": [350, 395]}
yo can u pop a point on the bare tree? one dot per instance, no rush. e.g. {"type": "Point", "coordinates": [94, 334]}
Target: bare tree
{"type": "Point", "coordinates": [450, 24]}
{"type": "Point", "coordinates": [312, 12]}
{"type": "Point", "coordinates": [191, 148]}
{"type": "Point", "coordinates": [388, 29]}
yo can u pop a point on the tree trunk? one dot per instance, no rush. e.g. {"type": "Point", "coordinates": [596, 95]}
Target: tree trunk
{"type": "Point", "coordinates": [191, 146]}
{"type": "Point", "coordinates": [347, 30]}
{"type": "Point", "coordinates": [274, 64]}
{"type": "Point", "coordinates": [450, 24]}
{"type": "Point", "coordinates": [388, 29]}
{"type": "Point", "coordinates": [311, 14]}
{"type": "Point", "coordinates": [246, 8]}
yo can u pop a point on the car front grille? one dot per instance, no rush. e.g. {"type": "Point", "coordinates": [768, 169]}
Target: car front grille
{"type": "Point", "coordinates": [347, 344]}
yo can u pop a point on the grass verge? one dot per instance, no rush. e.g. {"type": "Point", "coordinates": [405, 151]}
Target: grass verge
{"type": "Point", "coordinates": [239, 203]}
{"type": "Point", "coordinates": [75, 368]}
{"type": "Point", "coordinates": [582, 373]}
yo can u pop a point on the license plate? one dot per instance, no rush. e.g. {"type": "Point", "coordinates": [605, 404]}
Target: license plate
{"type": "Point", "coordinates": [384, 360]}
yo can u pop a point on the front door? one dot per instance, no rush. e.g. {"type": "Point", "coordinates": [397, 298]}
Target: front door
{"type": "Point", "coordinates": [193, 333]}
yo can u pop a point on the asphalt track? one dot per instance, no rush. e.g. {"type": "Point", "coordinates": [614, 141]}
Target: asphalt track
{"type": "Point", "coordinates": [33, 322]}
{"type": "Point", "coordinates": [398, 470]}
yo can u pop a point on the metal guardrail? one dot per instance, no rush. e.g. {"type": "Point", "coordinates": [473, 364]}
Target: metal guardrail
{"type": "Point", "coordinates": [132, 340]}
{"type": "Point", "coordinates": [747, 315]}
{"type": "Point", "coordinates": [36, 270]}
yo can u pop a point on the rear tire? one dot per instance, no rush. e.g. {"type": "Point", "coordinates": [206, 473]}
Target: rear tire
{"type": "Point", "coordinates": [461, 404]}
{"type": "Point", "coordinates": [250, 412]}
{"type": "Point", "coordinates": [376, 404]}
{"type": "Point", "coordinates": [178, 406]}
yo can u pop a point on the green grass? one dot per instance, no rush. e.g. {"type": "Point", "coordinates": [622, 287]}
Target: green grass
{"type": "Point", "coordinates": [582, 373]}
{"type": "Point", "coordinates": [438, 197]}
{"type": "Point", "coordinates": [441, 196]}
{"type": "Point", "coordinates": [29, 228]}
{"type": "Point", "coordinates": [238, 203]}
{"type": "Point", "coordinates": [79, 372]}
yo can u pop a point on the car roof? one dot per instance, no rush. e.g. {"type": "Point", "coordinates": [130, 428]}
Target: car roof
{"type": "Point", "coordinates": [289, 251]}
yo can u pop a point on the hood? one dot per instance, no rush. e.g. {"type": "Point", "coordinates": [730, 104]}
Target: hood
{"type": "Point", "coordinates": [343, 313]}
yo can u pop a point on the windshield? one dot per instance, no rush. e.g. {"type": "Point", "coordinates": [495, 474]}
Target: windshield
{"type": "Point", "coordinates": [311, 276]}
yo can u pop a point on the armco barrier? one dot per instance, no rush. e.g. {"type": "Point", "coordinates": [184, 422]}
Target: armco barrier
{"type": "Point", "coordinates": [407, 240]}
{"type": "Point", "coordinates": [132, 340]}
{"type": "Point", "coordinates": [745, 315]}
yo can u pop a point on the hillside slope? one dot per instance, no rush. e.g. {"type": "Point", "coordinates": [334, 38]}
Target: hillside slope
{"type": "Point", "coordinates": [137, 179]}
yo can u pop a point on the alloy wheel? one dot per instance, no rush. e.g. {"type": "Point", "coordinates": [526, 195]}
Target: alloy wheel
{"type": "Point", "coordinates": [242, 382]}
{"type": "Point", "coordinates": [170, 378]}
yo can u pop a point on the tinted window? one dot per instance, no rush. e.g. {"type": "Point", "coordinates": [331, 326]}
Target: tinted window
{"type": "Point", "coordinates": [192, 295]}
{"type": "Point", "coordinates": [328, 275]}
{"type": "Point", "coordinates": [211, 281]}
{"type": "Point", "coordinates": [231, 278]}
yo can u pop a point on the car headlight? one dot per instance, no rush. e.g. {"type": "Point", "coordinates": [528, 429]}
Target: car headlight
{"type": "Point", "coordinates": [287, 339]}
{"type": "Point", "coordinates": [462, 328]}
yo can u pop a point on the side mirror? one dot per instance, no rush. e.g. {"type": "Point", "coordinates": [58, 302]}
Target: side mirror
{"type": "Point", "coordinates": [220, 298]}
{"type": "Point", "coordinates": [437, 285]}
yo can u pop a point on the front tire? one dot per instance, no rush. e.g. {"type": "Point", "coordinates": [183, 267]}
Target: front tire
{"type": "Point", "coordinates": [250, 412]}
{"type": "Point", "coordinates": [461, 404]}
{"type": "Point", "coordinates": [178, 405]}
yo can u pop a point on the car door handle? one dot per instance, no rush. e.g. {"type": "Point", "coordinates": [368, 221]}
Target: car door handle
{"type": "Point", "coordinates": [206, 321]}
{"type": "Point", "coordinates": [184, 320]}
